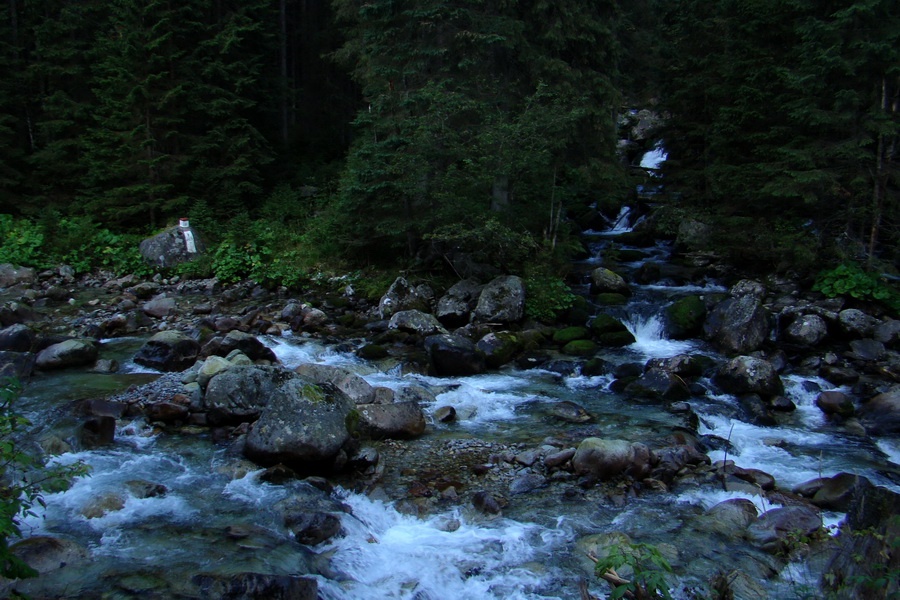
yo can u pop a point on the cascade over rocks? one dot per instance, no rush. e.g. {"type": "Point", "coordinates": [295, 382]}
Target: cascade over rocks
{"type": "Point", "coordinates": [501, 301]}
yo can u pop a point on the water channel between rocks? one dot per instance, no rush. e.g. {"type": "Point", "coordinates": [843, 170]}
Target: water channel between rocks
{"type": "Point", "coordinates": [152, 546]}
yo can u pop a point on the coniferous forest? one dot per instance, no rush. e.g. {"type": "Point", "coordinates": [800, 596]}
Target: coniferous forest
{"type": "Point", "coordinates": [297, 134]}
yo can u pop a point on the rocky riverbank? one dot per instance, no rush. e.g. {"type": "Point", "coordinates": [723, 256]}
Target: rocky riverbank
{"type": "Point", "coordinates": [313, 420]}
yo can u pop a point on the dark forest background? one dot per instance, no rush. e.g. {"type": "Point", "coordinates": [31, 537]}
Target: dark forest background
{"type": "Point", "coordinates": [302, 133]}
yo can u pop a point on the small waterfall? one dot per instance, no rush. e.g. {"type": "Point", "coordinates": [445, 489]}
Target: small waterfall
{"type": "Point", "coordinates": [653, 158]}
{"type": "Point", "coordinates": [649, 332]}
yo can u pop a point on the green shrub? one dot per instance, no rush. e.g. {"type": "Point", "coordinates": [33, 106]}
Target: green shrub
{"type": "Point", "coordinates": [21, 242]}
{"type": "Point", "coordinates": [23, 479]}
{"type": "Point", "coordinates": [648, 566]}
{"type": "Point", "coordinates": [850, 280]}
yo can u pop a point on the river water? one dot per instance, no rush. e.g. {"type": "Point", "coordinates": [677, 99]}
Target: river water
{"type": "Point", "coordinates": [150, 547]}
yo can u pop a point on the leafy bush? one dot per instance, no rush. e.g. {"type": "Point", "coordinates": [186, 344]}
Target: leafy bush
{"type": "Point", "coordinates": [21, 242]}
{"type": "Point", "coordinates": [546, 297]}
{"type": "Point", "coordinates": [23, 479]}
{"type": "Point", "coordinates": [259, 251]}
{"type": "Point", "coordinates": [649, 569]}
{"type": "Point", "coordinates": [850, 280]}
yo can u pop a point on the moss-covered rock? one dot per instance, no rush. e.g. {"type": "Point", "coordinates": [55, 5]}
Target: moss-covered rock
{"type": "Point", "coordinates": [595, 367]}
{"type": "Point", "coordinates": [604, 323]}
{"type": "Point", "coordinates": [580, 348]}
{"type": "Point", "coordinates": [569, 334]}
{"type": "Point", "coordinates": [684, 317]}
{"type": "Point", "coordinates": [616, 339]}
{"type": "Point", "coordinates": [610, 299]}
{"type": "Point", "coordinates": [372, 352]}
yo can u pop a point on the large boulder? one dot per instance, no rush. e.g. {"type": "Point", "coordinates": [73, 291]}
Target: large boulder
{"type": "Point", "coordinates": [159, 307]}
{"type": "Point", "coordinates": [502, 300]}
{"type": "Point", "coordinates": [881, 414]}
{"type": "Point", "coordinates": [70, 353]}
{"type": "Point", "coordinates": [749, 375]}
{"type": "Point", "coordinates": [168, 351]}
{"type": "Point", "coordinates": [16, 312]}
{"type": "Point", "coordinates": [604, 459]}
{"type": "Point", "coordinates": [239, 340]}
{"type": "Point", "coordinates": [345, 381]}
{"type": "Point", "coordinates": [604, 281]}
{"type": "Point", "coordinates": [16, 364]}
{"type": "Point", "coordinates": [17, 338]}
{"type": "Point", "coordinates": [499, 348]}
{"type": "Point", "coordinates": [454, 309]}
{"type": "Point", "coordinates": [46, 554]}
{"type": "Point", "coordinates": [807, 330]}
{"type": "Point", "coordinates": [658, 384]}
{"type": "Point", "coordinates": [398, 420]}
{"type": "Point", "coordinates": [302, 426]}
{"type": "Point", "coordinates": [241, 393]}
{"type": "Point", "coordinates": [856, 323]}
{"type": "Point", "coordinates": [737, 325]}
{"type": "Point", "coordinates": [403, 296]}
{"type": "Point", "coordinates": [173, 246]}
{"type": "Point", "coordinates": [684, 317]}
{"type": "Point", "coordinates": [416, 321]}
{"type": "Point", "coordinates": [454, 355]}
{"type": "Point", "coordinates": [11, 275]}
{"type": "Point", "coordinates": [775, 529]}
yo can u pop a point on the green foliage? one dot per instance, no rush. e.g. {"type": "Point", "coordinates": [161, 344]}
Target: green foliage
{"type": "Point", "coordinates": [649, 569]}
{"type": "Point", "coordinates": [546, 297]}
{"type": "Point", "coordinates": [487, 241]}
{"type": "Point", "coordinates": [23, 479]}
{"type": "Point", "coordinates": [21, 242]}
{"type": "Point", "coordinates": [849, 279]}
{"type": "Point", "coordinates": [259, 250]}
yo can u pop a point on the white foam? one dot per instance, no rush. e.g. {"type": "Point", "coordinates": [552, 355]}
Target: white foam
{"type": "Point", "coordinates": [389, 555]}
{"type": "Point", "coordinates": [890, 447]}
{"type": "Point", "coordinates": [650, 338]}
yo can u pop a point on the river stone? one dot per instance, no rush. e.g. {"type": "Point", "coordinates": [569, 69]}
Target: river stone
{"type": "Point", "coordinates": [499, 348]}
{"type": "Point", "coordinates": [867, 546]}
{"type": "Point", "coordinates": [807, 330]}
{"type": "Point", "coordinates": [168, 351]}
{"type": "Point", "coordinates": [402, 296]}
{"type": "Point", "coordinates": [70, 353]}
{"type": "Point", "coordinates": [888, 333]}
{"type": "Point", "coordinates": [16, 312]}
{"type": "Point", "coordinates": [46, 554]}
{"type": "Point", "coordinates": [731, 517]}
{"type": "Point", "coordinates": [454, 309]}
{"type": "Point", "coordinates": [400, 420]}
{"type": "Point", "coordinates": [867, 349]}
{"type": "Point", "coordinates": [454, 355]}
{"type": "Point", "coordinates": [749, 375]}
{"type": "Point", "coordinates": [737, 325]}
{"type": "Point", "coordinates": [656, 384]}
{"type": "Point", "coordinates": [526, 483]}
{"type": "Point", "coordinates": [485, 503]}
{"type": "Point", "coordinates": [605, 459]}
{"type": "Point", "coordinates": [354, 387]}
{"type": "Point", "coordinates": [240, 393]}
{"type": "Point", "coordinates": [835, 403]}
{"type": "Point", "coordinates": [558, 459]}
{"type": "Point", "coordinates": [173, 246]}
{"type": "Point", "coordinates": [837, 493]}
{"type": "Point", "coordinates": [605, 281]}
{"type": "Point", "coordinates": [445, 414]}
{"type": "Point", "coordinates": [301, 426]}
{"type": "Point", "coordinates": [610, 331]}
{"type": "Point", "coordinates": [570, 334]}
{"type": "Point", "coordinates": [569, 411]}
{"type": "Point", "coordinates": [16, 364]}
{"type": "Point", "coordinates": [11, 275]}
{"type": "Point", "coordinates": [856, 323]}
{"type": "Point", "coordinates": [579, 348]}
{"type": "Point", "coordinates": [159, 308]}
{"type": "Point", "coordinates": [247, 343]}
{"type": "Point", "coordinates": [775, 529]}
{"type": "Point", "coordinates": [748, 287]}
{"type": "Point", "coordinates": [501, 301]}
{"type": "Point", "coordinates": [684, 317]}
{"type": "Point", "coordinates": [256, 586]}
{"type": "Point", "coordinates": [416, 321]}
{"type": "Point", "coordinates": [211, 367]}
{"type": "Point", "coordinates": [881, 415]}
{"type": "Point", "coordinates": [17, 338]}
{"type": "Point", "coordinates": [313, 527]}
